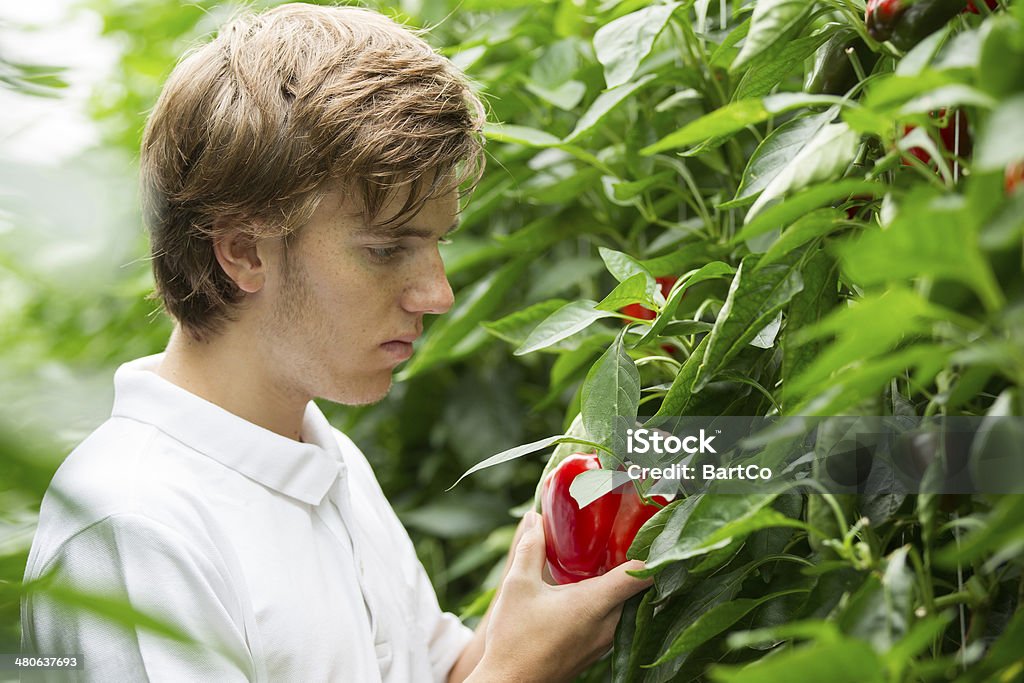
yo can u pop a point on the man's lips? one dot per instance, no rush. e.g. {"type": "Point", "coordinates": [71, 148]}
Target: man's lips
{"type": "Point", "coordinates": [400, 348]}
{"type": "Point", "coordinates": [407, 338]}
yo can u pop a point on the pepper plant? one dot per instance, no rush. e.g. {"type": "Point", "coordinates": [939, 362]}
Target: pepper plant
{"type": "Point", "coordinates": [829, 185]}
{"type": "Point", "coordinates": [834, 205]}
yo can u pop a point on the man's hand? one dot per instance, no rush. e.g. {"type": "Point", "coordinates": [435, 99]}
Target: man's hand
{"type": "Point", "coordinates": [541, 632]}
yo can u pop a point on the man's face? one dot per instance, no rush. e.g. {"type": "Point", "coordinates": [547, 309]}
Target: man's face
{"type": "Point", "coordinates": [345, 304]}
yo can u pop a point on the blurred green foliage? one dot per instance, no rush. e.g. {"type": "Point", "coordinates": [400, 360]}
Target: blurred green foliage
{"type": "Point", "coordinates": [632, 138]}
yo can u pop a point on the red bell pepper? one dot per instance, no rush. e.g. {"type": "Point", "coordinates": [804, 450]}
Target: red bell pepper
{"type": "Point", "coordinates": [881, 16]}
{"type": "Point", "coordinates": [665, 283]}
{"type": "Point", "coordinates": [905, 23]}
{"type": "Point", "coordinates": [1013, 177]}
{"type": "Point", "coordinates": [973, 9]}
{"type": "Point", "coordinates": [582, 543]}
{"type": "Point", "coordinates": [955, 126]}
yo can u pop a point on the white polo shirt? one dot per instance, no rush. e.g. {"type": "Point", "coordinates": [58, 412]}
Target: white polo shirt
{"type": "Point", "coordinates": [282, 558]}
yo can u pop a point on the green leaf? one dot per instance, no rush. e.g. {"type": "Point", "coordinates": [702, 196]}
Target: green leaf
{"type": "Point", "coordinates": [738, 529]}
{"type": "Point", "coordinates": [948, 97]}
{"type": "Point", "coordinates": [112, 609]}
{"type": "Point", "coordinates": [557, 64]}
{"type": "Point", "coordinates": [681, 599]}
{"type": "Point", "coordinates": [626, 193]}
{"type": "Point", "coordinates": [699, 525]}
{"type": "Point", "coordinates": [917, 60]}
{"type": "Point", "coordinates": [963, 51]}
{"type": "Point", "coordinates": [623, 43]}
{"type": "Point", "coordinates": [816, 224]}
{"type": "Point", "coordinates": [680, 394]}
{"type": "Point", "coordinates": [454, 516]}
{"type": "Point", "coordinates": [725, 53]}
{"type": "Point", "coordinates": [844, 661]}
{"type": "Point", "coordinates": [604, 104]}
{"type": "Point", "coordinates": [1003, 527]}
{"type": "Point", "coordinates": [755, 297]}
{"type": "Point", "coordinates": [471, 308]}
{"type": "Point", "coordinates": [809, 629]}
{"type": "Point", "coordinates": [540, 234]}
{"type": "Point", "coordinates": [1002, 140]}
{"type": "Point", "coordinates": [1002, 56]}
{"type": "Point", "coordinates": [632, 290]}
{"type": "Point", "coordinates": [566, 96]}
{"type": "Point", "coordinates": [644, 637]}
{"type": "Point", "coordinates": [880, 611]}
{"type": "Point", "coordinates": [715, 621]}
{"type": "Point", "coordinates": [931, 236]}
{"type": "Point", "coordinates": [819, 296]}
{"type": "Point", "coordinates": [777, 150]}
{"type": "Point", "coordinates": [515, 327]}
{"type": "Point", "coordinates": [468, 252]}
{"type": "Point", "coordinates": [764, 75]}
{"type": "Point", "coordinates": [685, 257]}
{"type": "Point", "coordinates": [864, 381]}
{"type": "Point", "coordinates": [729, 119]}
{"type": "Point", "coordinates": [631, 619]}
{"type": "Point", "coordinates": [512, 454]}
{"type": "Point", "coordinates": [685, 328]}
{"type": "Point", "coordinates": [921, 636]}
{"type": "Point", "coordinates": [825, 157]}
{"type": "Point", "coordinates": [710, 271]}
{"type": "Point", "coordinates": [641, 545]}
{"type": "Point", "coordinates": [520, 135]}
{"type": "Point", "coordinates": [571, 274]}
{"type": "Point", "coordinates": [784, 213]}
{"type": "Point", "coordinates": [892, 91]}
{"type": "Point", "coordinates": [772, 20]}
{"type": "Point", "coordinates": [622, 266]}
{"type": "Point", "coordinates": [566, 321]}
{"type": "Point", "coordinates": [872, 326]}
{"type": "Point", "coordinates": [734, 117]}
{"type": "Point", "coordinates": [1002, 661]}
{"type": "Point", "coordinates": [787, 101]}
{"type": "Point", "coordinates": [610, 395]}
{"type": "Point", "coordinates": [588, 486]}
{"type": "Point", "coordinates": [571, 362]}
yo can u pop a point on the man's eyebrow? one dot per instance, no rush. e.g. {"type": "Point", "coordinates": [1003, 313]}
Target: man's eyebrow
{"type": "Point", "coordinates": [404, 231]}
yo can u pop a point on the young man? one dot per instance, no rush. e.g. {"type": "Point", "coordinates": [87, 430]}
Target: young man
{"type": "Point", "coordinates": [298, 174]}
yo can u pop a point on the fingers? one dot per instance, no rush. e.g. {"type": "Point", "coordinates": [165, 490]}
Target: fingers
{"type": "Point", "coordinates": [523, 525]}
{"type": "Point", "coordinates": [616, 586]}
{"type": "Point", "coordinates": [520, 528]}
{"type": "Point", "coordinates": [530, 555]}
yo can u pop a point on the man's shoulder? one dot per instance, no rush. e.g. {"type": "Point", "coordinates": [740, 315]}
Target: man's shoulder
{"type": "Point", "coordinates": [124, 467]}
{"type": "Point", "coordinates": [119, 455]}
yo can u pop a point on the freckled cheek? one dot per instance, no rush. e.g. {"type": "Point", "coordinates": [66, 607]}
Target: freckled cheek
{"type": "Point", "coordinates": [373, 293]}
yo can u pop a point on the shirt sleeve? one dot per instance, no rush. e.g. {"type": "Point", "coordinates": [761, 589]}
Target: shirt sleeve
{"type": "Point", "coordinates": [447, 635]}
{"type": "Point", "coordinates": [131, 559]}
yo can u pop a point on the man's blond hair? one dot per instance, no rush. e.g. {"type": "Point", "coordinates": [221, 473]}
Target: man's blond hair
{"type": "Point", "coordinates": [251, 128]}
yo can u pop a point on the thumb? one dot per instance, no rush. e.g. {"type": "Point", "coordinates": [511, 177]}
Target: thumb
{"type": "Point", "coordinates": [618, 586]}
{"type": "Point", "coordinates": [530, 553]}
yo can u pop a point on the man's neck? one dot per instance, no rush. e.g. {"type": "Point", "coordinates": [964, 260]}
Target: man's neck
{"type": "Point", "coordinates": [233, 376]}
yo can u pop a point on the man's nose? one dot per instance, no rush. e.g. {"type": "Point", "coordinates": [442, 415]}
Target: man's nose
{"type": "Point", "coordinates": [429, 291]}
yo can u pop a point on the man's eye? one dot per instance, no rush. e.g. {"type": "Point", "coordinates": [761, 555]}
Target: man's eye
{"type": "Point", "coordinates": [384, 254]}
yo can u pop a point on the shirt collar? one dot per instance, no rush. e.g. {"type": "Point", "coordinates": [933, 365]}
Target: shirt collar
{"type": "Point", "coordinates": [302, 470]}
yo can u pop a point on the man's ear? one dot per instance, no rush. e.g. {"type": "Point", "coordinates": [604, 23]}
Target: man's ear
{"type": "Point", "coordinates": [237, 254]}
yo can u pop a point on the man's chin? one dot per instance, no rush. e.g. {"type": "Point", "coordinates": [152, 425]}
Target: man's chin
{"type": "Point", "coordinates": [364, 396]}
